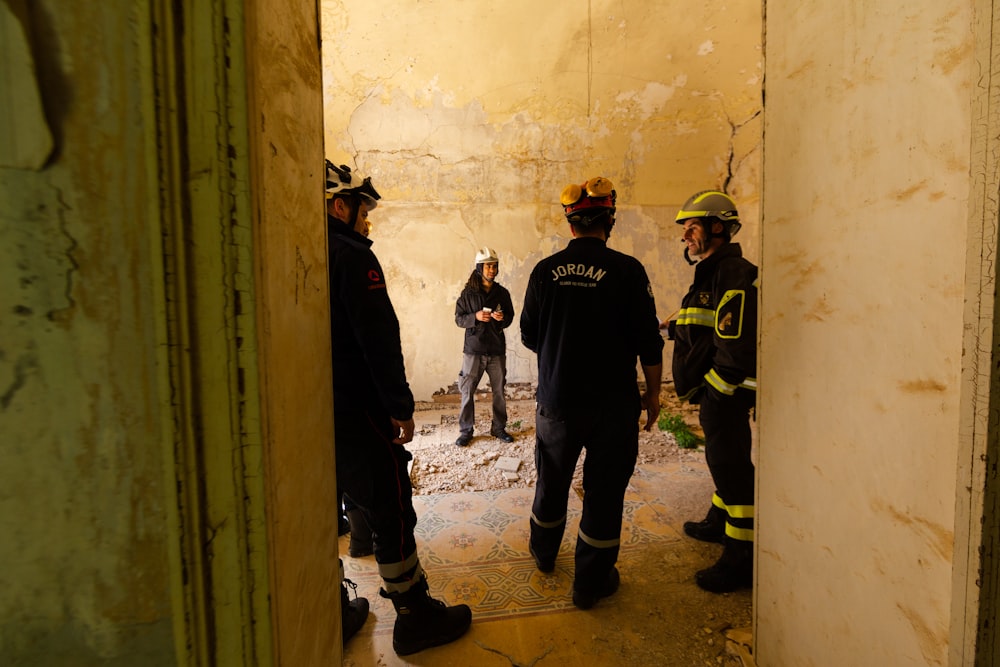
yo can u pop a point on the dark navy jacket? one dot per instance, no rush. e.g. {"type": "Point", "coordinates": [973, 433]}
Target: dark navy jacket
{"type": "Point", "coordinates": [589, 314]}
{"type": "Point", "coordinates": [368, 369]}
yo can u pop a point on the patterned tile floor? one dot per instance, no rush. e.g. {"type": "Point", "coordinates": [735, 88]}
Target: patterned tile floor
{"type": "Point", "coordinates": [473, 547]}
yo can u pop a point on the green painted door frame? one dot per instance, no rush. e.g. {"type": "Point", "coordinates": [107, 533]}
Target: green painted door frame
{"type": "Point", "coordinates": [238, 106]}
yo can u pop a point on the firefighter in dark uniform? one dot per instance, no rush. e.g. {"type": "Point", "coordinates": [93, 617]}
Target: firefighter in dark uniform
{"type": "Point", "coordinates": [373, 418]}
{"type": "Point", "coordinates": [589, 315]}
{"type": "Point", "coordinates": [715, 366]}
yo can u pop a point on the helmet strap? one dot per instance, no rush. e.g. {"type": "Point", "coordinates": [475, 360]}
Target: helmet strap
{"type": "Point", "coordinates": [354, 206]}
{"type": "Point", "coordinates": [687, 257]}
{"type": "Point", "coordinates": [482, 276]}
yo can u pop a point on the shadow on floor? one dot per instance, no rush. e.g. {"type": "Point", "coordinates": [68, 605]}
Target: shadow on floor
{"type": "Point", "coordinates": [473, 547]}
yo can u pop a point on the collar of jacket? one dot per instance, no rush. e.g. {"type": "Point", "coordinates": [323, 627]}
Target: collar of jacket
{"type": "Point", "coordinates": [585, 240]}
{"type": "Point", "coordinates": [340, 228]}
{"type": "Point", "coordinates": [724, 251]}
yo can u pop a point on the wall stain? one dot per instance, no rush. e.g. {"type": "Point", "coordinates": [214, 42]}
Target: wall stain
{"type": "Point", "coordinates": [820, 311]}
{"type": "Point", "coordinates": [940, 539]}
{"type": "Point", "coordinates": [922, 386]}
{"type": "Point", "coordinates": [803, 69]}
{"type": "Point", "coordinates": [932, 644]}
{"type": "Point", "coordinates": [907, 193]}
{"type": "Point", "coordinates": [949, 59]}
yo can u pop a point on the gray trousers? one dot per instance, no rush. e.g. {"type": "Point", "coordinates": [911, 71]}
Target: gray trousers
{"type": "Point", "coordinates": [473, 367]}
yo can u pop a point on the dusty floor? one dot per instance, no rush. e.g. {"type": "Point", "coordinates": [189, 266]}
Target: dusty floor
{"type": "Point", "coordinates": [662, 618]}
{"type": "Point", "coordinates": [441, 469]}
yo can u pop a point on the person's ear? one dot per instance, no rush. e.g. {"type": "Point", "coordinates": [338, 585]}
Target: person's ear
{"type": "Point", "coordinates": [337, 208]}
{"type": "Point", "coordinates": [717, 227]}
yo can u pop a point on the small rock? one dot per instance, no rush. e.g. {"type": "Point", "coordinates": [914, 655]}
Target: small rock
{"type": "Point", "coordinates": [508, 463]}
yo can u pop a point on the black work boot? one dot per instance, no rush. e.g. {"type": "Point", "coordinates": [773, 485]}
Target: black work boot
{"type": "Point", "coordinates": [353, 613]}
{"type": "Point", "coordinates": [361, 535]}
{"type": "Point", "coordinates": [733, 570]}
{"type": "Point", "coordinates": [710, 529]}
{"type": "Point", "coordinates": [423, 622]}
{"type": "Point", "coordinates": [585, 599]}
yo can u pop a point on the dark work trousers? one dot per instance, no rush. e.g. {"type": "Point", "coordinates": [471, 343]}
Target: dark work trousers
{"type": "Point", "coordinates": [473, 367]}
{"type": "Point", "coordinates": [371, 471]}
{"type": "Point", "coordinates": [726, 422]}
{"type": "Point", "coordinates": [611, 438]}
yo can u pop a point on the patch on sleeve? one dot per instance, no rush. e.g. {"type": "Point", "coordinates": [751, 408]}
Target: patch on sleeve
{"type": "Point", "coordinates": [375, 280]}
{"type": "Point", "coordinates": [729, 314]}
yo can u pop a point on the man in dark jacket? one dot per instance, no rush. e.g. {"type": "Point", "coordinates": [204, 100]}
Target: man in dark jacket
{"type": "Point", "coordinates": [484, 310]}
{"type": "Point", "coordinates": [373, 418]}
{"type": "Point", "coordinates": [715, 366]}
{"type": "Point", "coordinates": [589, 315]}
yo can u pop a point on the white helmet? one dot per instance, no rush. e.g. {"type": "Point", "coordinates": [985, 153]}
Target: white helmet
{"type": "Point", "coordinates": [486, 255]}
{"type": "Point", "coordinates": [341, 180]}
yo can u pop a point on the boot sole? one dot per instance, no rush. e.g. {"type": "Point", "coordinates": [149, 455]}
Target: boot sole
{"type": "Point", "coordinates": [410, 649]}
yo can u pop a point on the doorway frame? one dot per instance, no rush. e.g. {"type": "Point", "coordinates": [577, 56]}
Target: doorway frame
{"type": "Point", "coordinates": [234, 88]}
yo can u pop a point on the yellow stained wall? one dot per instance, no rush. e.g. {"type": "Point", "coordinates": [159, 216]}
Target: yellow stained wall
{"type": "Point", "coordinates": [865, 219]}
{"type": "Point", "coordinates": [471, 117]}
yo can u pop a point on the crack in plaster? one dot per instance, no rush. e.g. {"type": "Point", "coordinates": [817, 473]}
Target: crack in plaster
{"type": "Point", "coordinates": [21, 368]}
{"type": "Point", "coordinates": [512, 661]}
{"type": "Point", "coordinates": [57, 314]}
{"type": "Point", "coordinates": [731, 163]}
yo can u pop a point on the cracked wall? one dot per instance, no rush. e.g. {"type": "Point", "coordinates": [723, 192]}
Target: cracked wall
{"type": "Point", "coordinates": [471, 118]}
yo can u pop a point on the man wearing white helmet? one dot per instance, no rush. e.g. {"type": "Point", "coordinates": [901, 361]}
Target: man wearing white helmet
{"type": "Point", "coordinates": [589, 315]}
{"type": "Point", "coordinates": [715, 366]}
{"type": "Point", "coordinates": [484, 310]}
{"type": "Point", "coordinates": [373, 419]}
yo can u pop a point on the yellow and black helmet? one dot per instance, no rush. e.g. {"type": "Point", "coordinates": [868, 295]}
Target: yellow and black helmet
{"type": "Point", "coordinates": [712, 204]}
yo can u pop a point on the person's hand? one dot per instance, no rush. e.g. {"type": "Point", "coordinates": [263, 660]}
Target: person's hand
{"type": "Point", "coordinates": [483, 316]}
{"type": "Point", "coordinates": [498, 316]}
{"type": "Point", "coordinates": [651, 404]}
{"type": "Point", "coordinates": [404, 429]}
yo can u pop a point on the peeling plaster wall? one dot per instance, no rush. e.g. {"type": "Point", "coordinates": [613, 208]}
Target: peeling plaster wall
{"type": "Point", "coordinates": [85, 571]}
{"type": "Point", "coordinates": [864, 243]}
{"type": "Point", "coordinates": [471, 117]}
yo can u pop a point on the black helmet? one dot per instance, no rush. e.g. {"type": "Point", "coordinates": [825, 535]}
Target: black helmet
{"type": "Point", "coordinates": [712, 204]}
{"type": "Point", "coordinates": [590, 201]}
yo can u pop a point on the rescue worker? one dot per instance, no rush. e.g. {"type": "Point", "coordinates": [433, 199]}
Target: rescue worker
{"type": "Point", "coordinates": [715, 366]}
{"type": "Point", "coordinates": [484, 310]}
{"type": "Point", "coordinates": [373, 418]}
{"type": "Point", "coordinates": [589, 314]}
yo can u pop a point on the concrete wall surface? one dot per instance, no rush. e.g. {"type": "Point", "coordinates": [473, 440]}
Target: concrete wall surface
{"type": "Point", "coordinates": [472, 117]}
{"type": "Point", "coordinates": [864, 244]}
